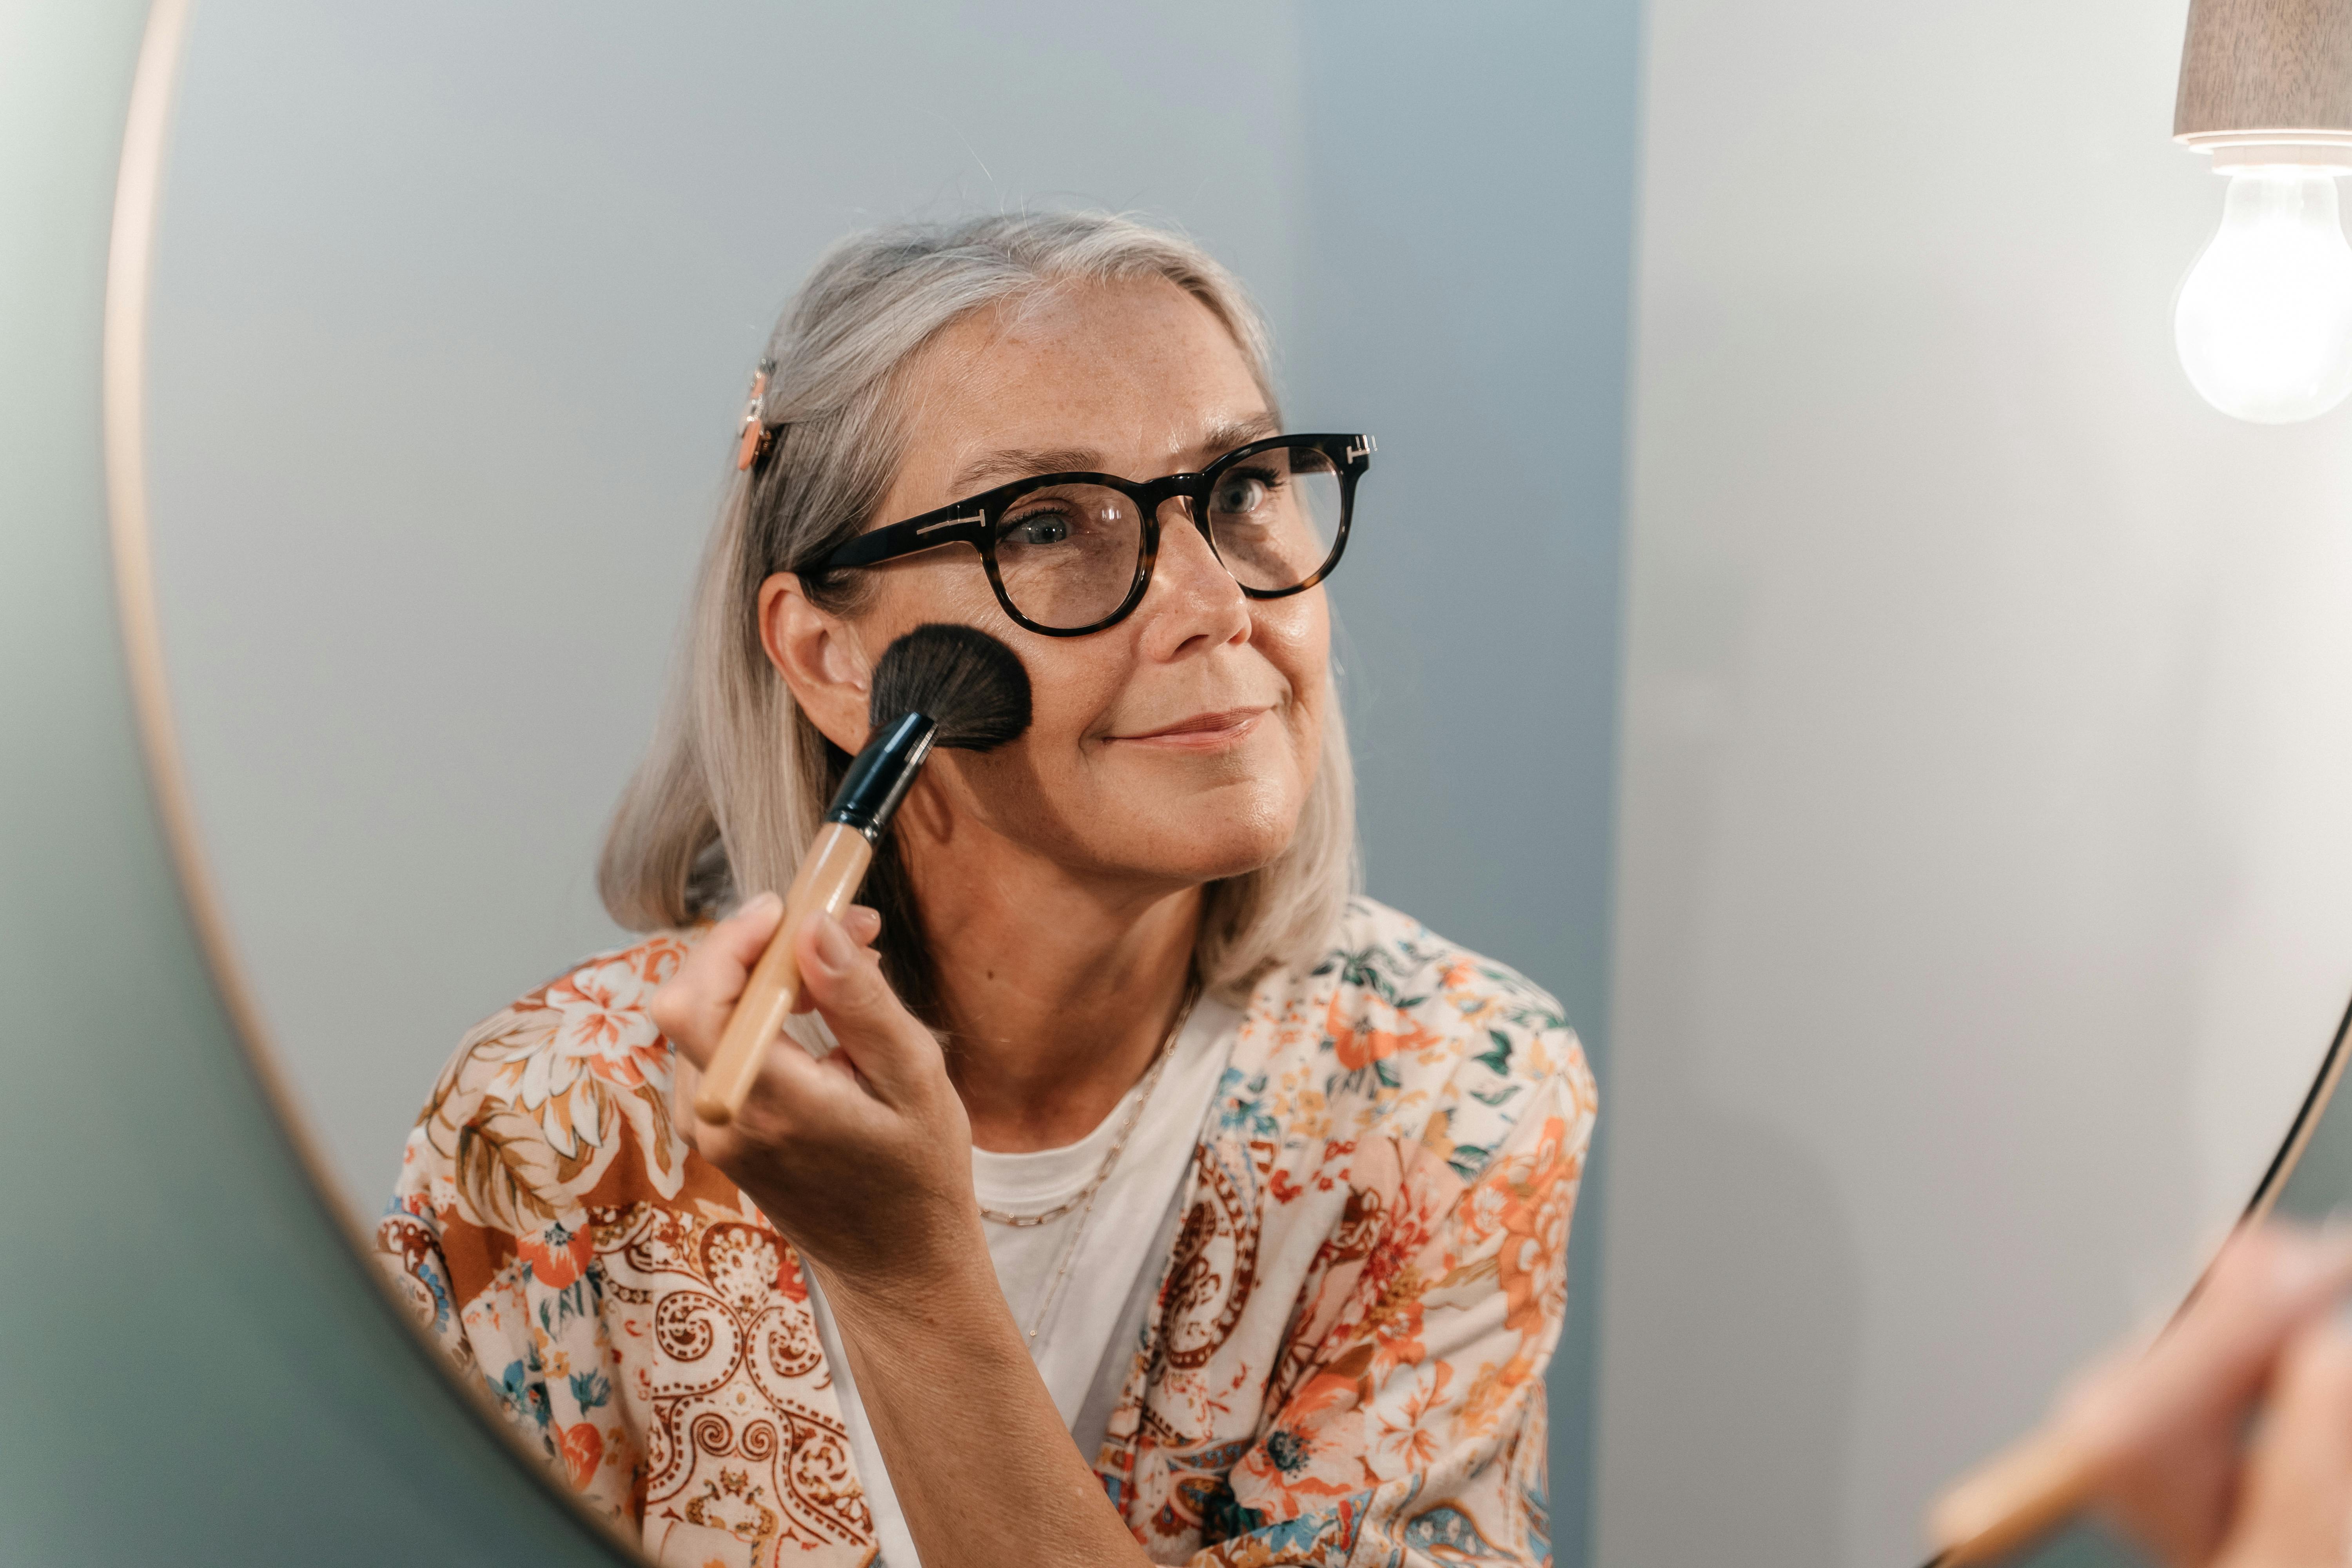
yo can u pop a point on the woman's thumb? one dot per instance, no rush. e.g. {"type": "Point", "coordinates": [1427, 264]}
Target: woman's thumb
{"type": "Point", "coordinates": [844, 983]}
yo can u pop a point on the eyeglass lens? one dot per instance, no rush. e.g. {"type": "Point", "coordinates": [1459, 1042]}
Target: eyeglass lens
{"type": "Point", "coordinates": [1068, 554]}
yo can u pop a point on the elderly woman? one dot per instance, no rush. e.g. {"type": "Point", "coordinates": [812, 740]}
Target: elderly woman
{"type": "Point", "coordinates": [1153, 1199]}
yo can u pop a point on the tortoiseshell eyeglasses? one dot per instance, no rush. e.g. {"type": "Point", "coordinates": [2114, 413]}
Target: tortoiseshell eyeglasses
{"type": "Point", "coordinates": [1072, 554]}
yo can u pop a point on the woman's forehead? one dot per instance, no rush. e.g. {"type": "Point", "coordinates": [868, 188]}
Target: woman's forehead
{"type": "Point", "coordinates": [1085, 345]}
{"type": "Point", "coordinates": [1094, 377]}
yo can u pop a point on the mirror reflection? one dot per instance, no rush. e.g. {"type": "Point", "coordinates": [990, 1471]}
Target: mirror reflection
{"type": "Point", "coordinates": [1966, 961]}
{"type": "Point", "coordinates": [1115, 1076]}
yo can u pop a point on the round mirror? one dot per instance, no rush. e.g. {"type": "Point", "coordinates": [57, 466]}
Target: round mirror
{"type": "Point", "coordinates": [1809, 629]}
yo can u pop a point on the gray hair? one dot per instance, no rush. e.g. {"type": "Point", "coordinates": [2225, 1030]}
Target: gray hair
{"type": "Point", "coordinates": [733, 788]}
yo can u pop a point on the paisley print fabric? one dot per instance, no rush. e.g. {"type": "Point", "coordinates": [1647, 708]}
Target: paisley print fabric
{"type": "Point", "coordinates": [1345, 1364]}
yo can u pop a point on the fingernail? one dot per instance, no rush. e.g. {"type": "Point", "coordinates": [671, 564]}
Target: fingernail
{"type": "Point", "coordinates": [765, 905]}
{"type": "Point", "coordinates": [833, 944]}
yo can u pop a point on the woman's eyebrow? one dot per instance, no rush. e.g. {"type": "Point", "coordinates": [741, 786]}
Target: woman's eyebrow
{"type": "Point", "coordinates": [1020, 462]}
{"type": "Point", "coordinates": [1223, 437]}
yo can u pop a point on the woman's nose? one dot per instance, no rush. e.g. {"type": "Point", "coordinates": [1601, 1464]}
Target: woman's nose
{"type": "Point", "coordinates": [1196, 596]}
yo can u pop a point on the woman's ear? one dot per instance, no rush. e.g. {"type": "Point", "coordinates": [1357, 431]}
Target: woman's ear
{"type": "Point", "coordinates": [820, 659]}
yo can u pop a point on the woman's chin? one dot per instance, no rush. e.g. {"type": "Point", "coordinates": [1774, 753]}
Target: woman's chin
{"type": "Point", "coordinates": [1196, 845]}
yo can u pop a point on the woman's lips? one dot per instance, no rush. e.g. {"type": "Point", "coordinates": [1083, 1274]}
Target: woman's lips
{"type": "Point", "coordinates": [1201, 731]}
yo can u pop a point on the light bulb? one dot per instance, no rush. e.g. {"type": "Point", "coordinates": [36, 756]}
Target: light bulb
{"type": "Point", "coordinates": [2264, 319]}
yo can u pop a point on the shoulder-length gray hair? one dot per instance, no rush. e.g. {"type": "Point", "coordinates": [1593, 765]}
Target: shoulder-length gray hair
{"type": "Point", "coordinates": [731, 793]}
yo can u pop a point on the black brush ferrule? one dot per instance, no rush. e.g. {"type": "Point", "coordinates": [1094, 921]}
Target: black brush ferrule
{"type": "Point", "coordinates": [880, 775]}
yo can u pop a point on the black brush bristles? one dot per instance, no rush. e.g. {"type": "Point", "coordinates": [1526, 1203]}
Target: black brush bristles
{"type": "Point", "coordinates": [964, 680]}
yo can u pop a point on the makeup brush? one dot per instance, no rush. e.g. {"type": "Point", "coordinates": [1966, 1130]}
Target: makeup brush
{"type": "Point", "coordinates": [2039, 1484]}
{"type": "Point", "coordinates": [937, 685]}
{"type": "Point", "coordinates": [2011, 1500]}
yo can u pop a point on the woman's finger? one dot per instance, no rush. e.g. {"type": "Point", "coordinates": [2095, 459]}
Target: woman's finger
{"type": "Point", "coordinates": [863, 926]}
{"type": "Point", "coordinates": [2164, 1428]}
{"type": "Point", "coordinates": [2266, 1286]}
{"type": "Point", "coordinates": [743, 935]}
{"type": "Point", "coordinates": [796, 1099]}
{"type": "Point", "coordinates": [2294, 1506]}
{"type": "Point", "coordinates": [885, 1042]}
{"type": "Point", "coordinates": [691, 1008]}
{"type": "Point", "coordinates": [685, 1078]}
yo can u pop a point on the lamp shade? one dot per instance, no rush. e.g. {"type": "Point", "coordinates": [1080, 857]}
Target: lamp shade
{"type": "Point", "coordinates": [2262, 72]}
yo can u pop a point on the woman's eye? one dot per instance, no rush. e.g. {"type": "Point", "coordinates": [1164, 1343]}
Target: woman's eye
{"type": "Point", "coordinates": [1240, 494]}
{"type": "Point", "coordinates": [1038, 528]}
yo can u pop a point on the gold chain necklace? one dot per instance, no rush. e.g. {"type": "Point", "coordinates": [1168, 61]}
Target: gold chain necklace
{"type": "Point", "coordinates": [1085, 1198]}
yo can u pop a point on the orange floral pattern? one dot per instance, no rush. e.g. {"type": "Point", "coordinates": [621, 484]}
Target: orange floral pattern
{"type": "Point", "coordinates": [1347, 1361]}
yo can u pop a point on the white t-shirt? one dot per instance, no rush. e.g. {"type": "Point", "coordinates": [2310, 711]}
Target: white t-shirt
{"type": "Point", "coordinates": [1084, 1343]}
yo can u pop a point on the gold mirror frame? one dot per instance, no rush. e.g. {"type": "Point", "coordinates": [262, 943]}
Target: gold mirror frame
{"type": "Point", "coordinates": [129, 258]}
{"type": "Point", "coordinates": [2299, 1132]}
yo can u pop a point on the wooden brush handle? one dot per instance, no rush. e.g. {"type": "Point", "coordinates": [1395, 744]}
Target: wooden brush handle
{"type": "Point", "coordinates": [827, 880]}
{"type": "Point", "coordinates": [2011, 1500]}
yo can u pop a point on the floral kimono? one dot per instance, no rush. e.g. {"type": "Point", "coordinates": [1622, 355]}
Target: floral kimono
{"type": "Point", "coordinates": [1346, 1360]}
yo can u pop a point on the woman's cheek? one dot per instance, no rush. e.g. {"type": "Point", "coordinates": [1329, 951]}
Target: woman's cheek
{"type": "Point", "coordinates": [1294, 634]}
{"type": "Point", "coordinates": [947, 589]}
{"type": "Point", "coordinates": [1306, 729]}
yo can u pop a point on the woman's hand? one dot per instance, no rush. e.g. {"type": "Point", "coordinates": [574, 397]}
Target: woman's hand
{"type": "Point", "coordinates": [2167, 1427]}
{"type": "Point", "coordinates": [863, 1159]}
{"type": "Point", "coordinates": [2295, 1497]}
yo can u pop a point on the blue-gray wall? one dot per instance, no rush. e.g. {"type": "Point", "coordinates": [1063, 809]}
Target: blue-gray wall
{"type": "Point", "coordinates": [1469, 190]}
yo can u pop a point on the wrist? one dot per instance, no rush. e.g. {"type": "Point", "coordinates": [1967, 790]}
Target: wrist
{"type": "Point", "coordinates": [934, 1284]}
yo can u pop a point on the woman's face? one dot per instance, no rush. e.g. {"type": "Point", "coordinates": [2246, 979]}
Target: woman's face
{"type": "Point", "coordinates": [1174, 747]}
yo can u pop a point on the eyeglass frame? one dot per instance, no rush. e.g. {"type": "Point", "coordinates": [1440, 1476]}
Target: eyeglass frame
{"type": "Point", "coordinates": [976, 519]}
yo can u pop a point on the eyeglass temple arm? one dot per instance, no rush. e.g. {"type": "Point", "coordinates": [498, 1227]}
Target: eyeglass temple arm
{"type": "Point", "coordinates": [905, 538]}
